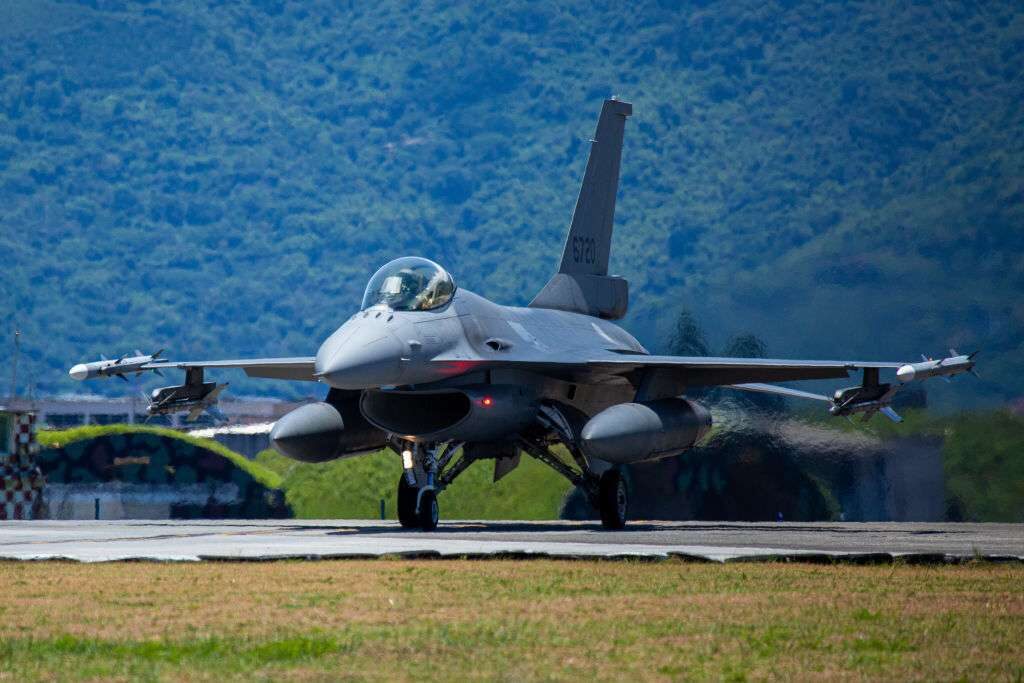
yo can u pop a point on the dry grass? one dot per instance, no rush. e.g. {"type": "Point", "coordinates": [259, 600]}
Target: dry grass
{"type": "Point", "coordinates": [509, 620]}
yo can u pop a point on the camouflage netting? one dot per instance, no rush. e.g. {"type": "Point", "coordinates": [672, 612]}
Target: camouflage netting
{"type": "Point", "coordinates": [151, 475]}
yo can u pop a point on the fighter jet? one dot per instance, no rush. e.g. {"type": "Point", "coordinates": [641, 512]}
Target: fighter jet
{"type": "Point", "coordinates": [444, 377]}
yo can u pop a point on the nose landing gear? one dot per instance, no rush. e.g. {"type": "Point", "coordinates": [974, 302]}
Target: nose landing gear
{"type": "Point", "coordinates": [426, 473]}
{"type": "Point", "coordinates": [428, 512]}
{"type": "Point", "coordinates": [417, 506]}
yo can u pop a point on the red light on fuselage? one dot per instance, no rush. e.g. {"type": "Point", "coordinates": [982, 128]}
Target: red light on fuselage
{"type": "Point", "coordinates": [487, 401]}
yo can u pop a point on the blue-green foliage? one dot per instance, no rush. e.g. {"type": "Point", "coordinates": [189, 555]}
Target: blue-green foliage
{"type": "Point", "coordinates": [840, 178]}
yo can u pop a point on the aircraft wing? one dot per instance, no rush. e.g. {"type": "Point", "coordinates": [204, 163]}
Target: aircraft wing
{"type": "Point", "coordinates": [300, 368]}
{"type": "Point", "coordinates": [712, 371]}
{"type": "Point", "coordinates": [677, 372]}
{"type": "Point", "coordinates": [656, 377]}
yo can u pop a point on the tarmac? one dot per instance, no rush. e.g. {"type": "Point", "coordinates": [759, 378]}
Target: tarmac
{"type": "Point", "coordinates": [261, 540]}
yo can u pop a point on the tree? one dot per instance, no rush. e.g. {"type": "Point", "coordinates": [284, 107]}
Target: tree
{"type": "Point", "coordinates": [750, 346]}
{"type": "Point", "coordinates": [687, 338]}
{"type": "Point", "coordinates": [746, 346]}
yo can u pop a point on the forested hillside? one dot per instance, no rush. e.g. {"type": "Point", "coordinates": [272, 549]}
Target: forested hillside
{"type": "Point", "coordinates": [841, 179]}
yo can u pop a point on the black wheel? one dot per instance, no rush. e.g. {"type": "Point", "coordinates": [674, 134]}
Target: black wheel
{"type": "Point", "coordinates": [407, 503]}
{"type": "Point", "coordinates": [612, 500]}
{"type": "Point", "coordinates": [428, 512]}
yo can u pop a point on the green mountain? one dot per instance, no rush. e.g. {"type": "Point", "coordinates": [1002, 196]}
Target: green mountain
{"type": "Point", "coordinates": [841, 179]}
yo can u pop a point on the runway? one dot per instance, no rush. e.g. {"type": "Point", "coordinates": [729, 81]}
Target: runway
{"type": "Point", "coordinates": [198, 540]}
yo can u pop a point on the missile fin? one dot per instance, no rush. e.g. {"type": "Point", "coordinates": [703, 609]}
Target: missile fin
{"type": "Point", "coordinates": [891, 414]}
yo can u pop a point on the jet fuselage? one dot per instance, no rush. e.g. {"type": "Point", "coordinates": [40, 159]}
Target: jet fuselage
{"type": "Point", "coordinates": [379, 347]}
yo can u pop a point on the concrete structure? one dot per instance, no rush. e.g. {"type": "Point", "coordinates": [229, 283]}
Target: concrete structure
{"type": "Point", "coordinates": [142, 475]}
{"type": "Point", "coordinates": [121, 500]}
{"type": "Point", "coordinates": [705, 541]}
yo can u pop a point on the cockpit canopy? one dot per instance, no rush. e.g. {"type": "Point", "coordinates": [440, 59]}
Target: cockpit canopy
{"type": "Point", "coordinates": [409, 283]}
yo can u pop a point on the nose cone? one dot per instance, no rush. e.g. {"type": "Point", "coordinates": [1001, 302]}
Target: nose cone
{"type": "Point", "coordinates": [363, 358]}
{"type": "Point", "coordinates": [79, 372]}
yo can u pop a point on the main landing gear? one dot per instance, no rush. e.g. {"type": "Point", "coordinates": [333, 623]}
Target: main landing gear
{"type": "Point", "coordinates": [428, 469]}
{"type": "Point", "coordinates": [607, 492]}
{"type": "Point", "coordinates": [612, 500]}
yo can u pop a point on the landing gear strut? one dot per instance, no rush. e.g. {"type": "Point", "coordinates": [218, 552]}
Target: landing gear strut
{"type": "Point", "coordinates": [606, 492]}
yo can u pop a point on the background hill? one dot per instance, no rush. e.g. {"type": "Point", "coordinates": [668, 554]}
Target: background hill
{"type": "Point", "coordinates": [842, 180]}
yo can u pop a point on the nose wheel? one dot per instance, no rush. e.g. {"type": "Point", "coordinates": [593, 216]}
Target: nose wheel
{"type": "Point", "coordinates": [428, 512]}
{"type": "Point", "coordinates": [411, 515]}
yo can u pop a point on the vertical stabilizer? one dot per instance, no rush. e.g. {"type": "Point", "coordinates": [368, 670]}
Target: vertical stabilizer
{"type": "Point", "coordinates": [582, 284]}
{"type": "Point", "coordinates": [590, 236]}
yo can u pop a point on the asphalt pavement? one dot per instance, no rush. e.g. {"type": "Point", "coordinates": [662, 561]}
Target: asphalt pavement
{"type": "Point", "coordinates": [197, 540]}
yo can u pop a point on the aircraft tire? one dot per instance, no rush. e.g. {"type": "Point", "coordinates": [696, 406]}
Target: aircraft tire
{"type": "Point", "coordinates": [407, 503]}
{"type": "Point", "coordinates": [613, 502]}
{"type": "Point", "coordinates": [429, 512]}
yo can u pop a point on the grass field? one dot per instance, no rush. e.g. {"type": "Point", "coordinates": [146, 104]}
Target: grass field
{"type": "Point", "coordinates": [353, 488]}
{"type": "Point", "coordinates": [510, 620]}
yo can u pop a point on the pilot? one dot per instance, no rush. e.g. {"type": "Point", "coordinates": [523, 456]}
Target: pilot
{"type": "Point", "coordinates": [401, 289]}
{"type": "Point", "coordinates": [409, 284]}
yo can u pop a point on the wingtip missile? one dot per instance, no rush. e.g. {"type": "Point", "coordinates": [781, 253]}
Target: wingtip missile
{"type": "Point", "coordinates": [82, 371]}
{"type": "Point", "coordinates": [944, 367]}
{"type": "Point", "coordinates": [115, 368]}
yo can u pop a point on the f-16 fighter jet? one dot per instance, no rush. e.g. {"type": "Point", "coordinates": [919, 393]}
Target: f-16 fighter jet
{"type": "Point", "coordinates": [444, 377]}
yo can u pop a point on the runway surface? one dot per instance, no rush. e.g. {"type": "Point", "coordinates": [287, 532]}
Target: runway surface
{"type": "Point", "coordinates": [173, 540]}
